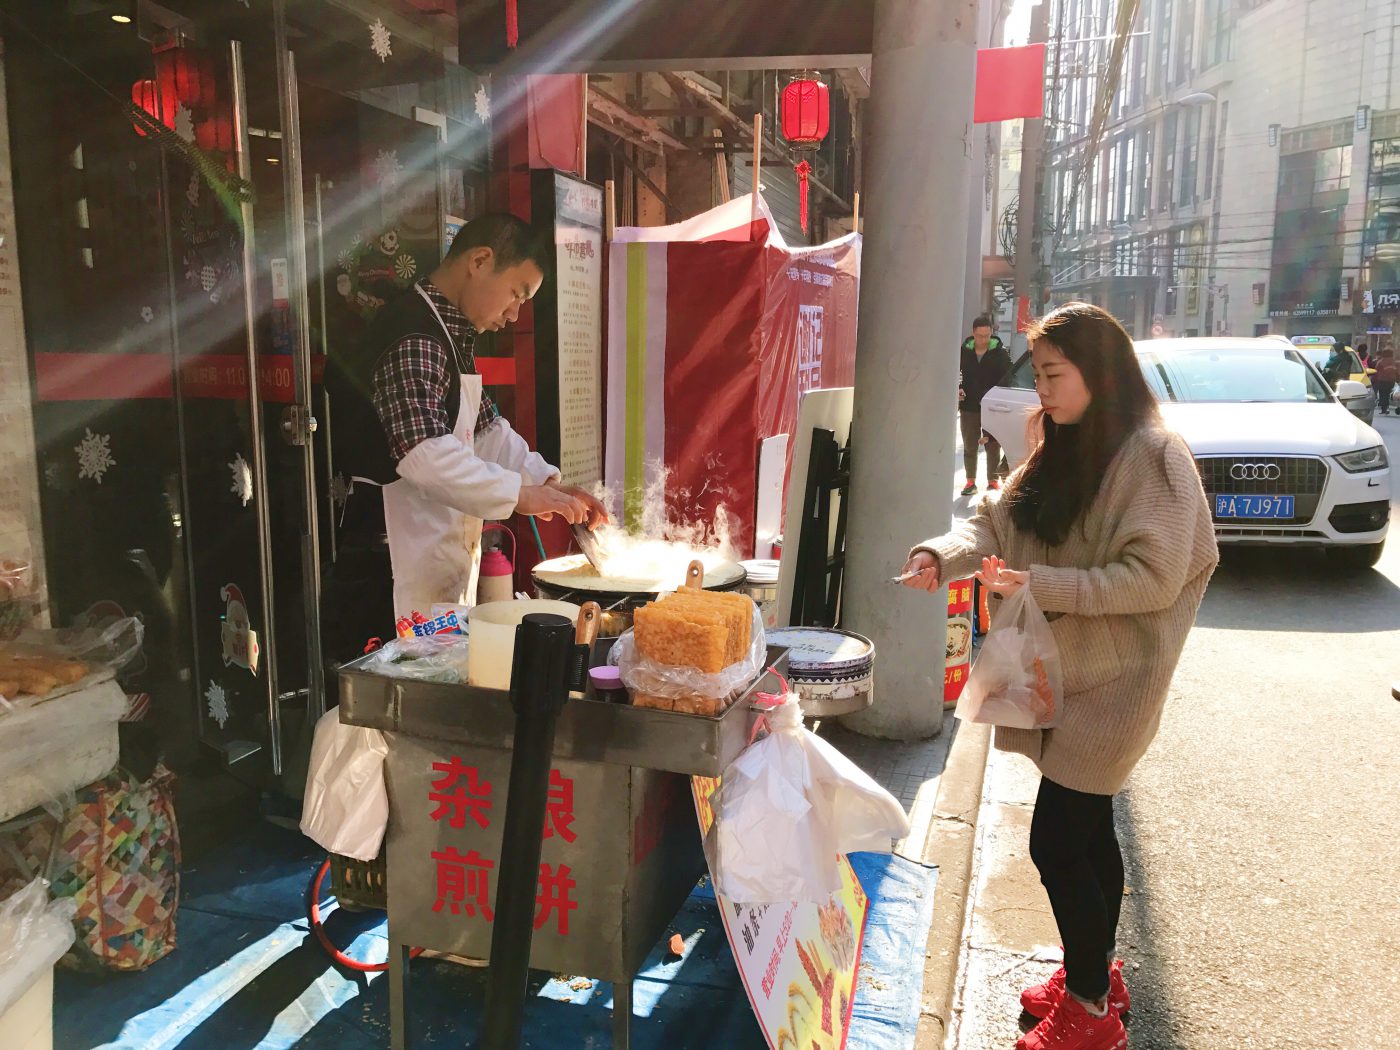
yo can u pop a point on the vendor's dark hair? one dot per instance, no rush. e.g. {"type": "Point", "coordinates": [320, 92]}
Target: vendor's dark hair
{"type": "Point", "coordinates": [981, 321]}
{"type": "Point", "coordinates": [1067, 467]}
{"type": "Point", "coordinates": [510, 239]}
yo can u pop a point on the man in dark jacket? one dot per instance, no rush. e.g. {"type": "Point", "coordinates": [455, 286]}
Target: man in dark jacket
{"type": "Point", "coordinates": [985, 362]}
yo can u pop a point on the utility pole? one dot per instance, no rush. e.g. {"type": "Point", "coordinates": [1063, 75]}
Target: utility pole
{"type": "Point", "coordinates": [911, 301]}
{"type": "Point", "coordinates": [1028, 205]}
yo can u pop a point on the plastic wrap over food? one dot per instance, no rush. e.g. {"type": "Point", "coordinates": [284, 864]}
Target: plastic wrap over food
{"type": "Point", "coordinates": [436, 658]}
{"type": "Point", "coordinates": [643, 675]}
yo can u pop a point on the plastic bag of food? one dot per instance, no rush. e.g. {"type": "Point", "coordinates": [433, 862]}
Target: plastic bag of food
{"type": "Point", "coordinates": [786, 808]}
{"type": "Point", "coordinates": [652, 678]}
{"type": "Point", "coordinates": [436, 658]}
{"type": "Point", "coordinates": [1016, 679]}
{"type": "Point", "coordinates": [35, 932]}
{"type": "Point", "coordinates": [346, 806]}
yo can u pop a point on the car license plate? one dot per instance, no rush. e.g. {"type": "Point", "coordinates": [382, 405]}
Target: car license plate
{"type": "Point", "coordinates": [1254, 506]}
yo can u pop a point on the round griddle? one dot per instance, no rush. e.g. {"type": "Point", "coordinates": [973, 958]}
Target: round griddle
{"type": "Point", "coordinates": [573, 575]}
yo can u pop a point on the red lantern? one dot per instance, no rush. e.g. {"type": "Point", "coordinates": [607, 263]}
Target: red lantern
{"type": "Point", "coordinates": [184, 76]}
{"type": "Point", "coordinates": [805, 111]}
{"type": "Point", "coordinates": [215, 132]}
{"type": "Point", "coordinates": [512, 24]}
{"type": "Point", "coordinates": [143, 97]}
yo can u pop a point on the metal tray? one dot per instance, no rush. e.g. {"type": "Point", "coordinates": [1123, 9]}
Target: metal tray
{"type": "Point", "coordinates": [588, 730]}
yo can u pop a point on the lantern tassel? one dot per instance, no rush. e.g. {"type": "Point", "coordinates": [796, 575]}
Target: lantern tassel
{"type": "Point", "coordinates": [804, 171]}
{"type": "Point", "coordinates": [512, 24]}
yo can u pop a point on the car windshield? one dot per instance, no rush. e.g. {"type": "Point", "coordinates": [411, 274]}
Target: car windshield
{"type": "Point", "coordinates": [1238, 375]}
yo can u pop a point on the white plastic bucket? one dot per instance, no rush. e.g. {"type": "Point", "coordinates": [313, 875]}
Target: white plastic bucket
{"type": "Point", "coordinates": [492, 630]}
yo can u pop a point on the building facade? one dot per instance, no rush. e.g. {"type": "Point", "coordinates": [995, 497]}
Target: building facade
{"type": "Point", "coordinates": [1247, 178]}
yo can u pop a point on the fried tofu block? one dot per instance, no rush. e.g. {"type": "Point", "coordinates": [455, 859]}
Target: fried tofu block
{"type": "Point", "coordinates": [699, 705]}
{"type": "Point", "coordinates": [682, 637]}
{"type": "Point", "coordinates": [9, 688]}
{"type": "Point", "coordinates": [737, 610]}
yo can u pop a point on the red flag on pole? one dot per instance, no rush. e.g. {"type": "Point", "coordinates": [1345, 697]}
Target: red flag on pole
{"type": "Point", "coordinates": [1010, 83]}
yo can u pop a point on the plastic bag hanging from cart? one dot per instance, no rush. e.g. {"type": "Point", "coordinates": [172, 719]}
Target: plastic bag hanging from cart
{"type": "Point", "coordinates": [786, 808]}
{"type": "Point", "coordinates": [1016, 679]}
{"type": "Point", "coordinates": [346, 808]}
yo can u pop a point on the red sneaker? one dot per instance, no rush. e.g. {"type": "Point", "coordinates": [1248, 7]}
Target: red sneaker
{"type": "Point", "coordinates": [1071, 1026]}
{"type": "Point", "coordinates": [1040, 999]}
{"type": "Point", "coordinates": [993, 485]}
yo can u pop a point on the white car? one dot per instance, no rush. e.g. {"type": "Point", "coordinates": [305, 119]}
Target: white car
{"type": "Point", "coordinates": [1282, 460]}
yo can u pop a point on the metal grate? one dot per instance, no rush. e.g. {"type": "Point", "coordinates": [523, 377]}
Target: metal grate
{"type": "Point", "coordinates": [1303, 477]}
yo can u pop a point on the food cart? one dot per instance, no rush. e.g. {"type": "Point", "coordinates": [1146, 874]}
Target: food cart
{"type": "Point", "coordinates": [621, 847]}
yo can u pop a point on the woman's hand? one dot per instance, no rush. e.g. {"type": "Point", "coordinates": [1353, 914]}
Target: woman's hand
{"type": "Point", "coordinates": [997, 578]}
{"type": "Point", "coordinates": [922, 572]}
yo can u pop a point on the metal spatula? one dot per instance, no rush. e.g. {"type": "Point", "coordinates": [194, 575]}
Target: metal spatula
{"type": "Point", "coordinates": [588, 543]}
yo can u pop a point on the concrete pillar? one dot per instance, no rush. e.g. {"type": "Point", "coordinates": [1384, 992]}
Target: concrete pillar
{"type": "Point", "coordinates": [917, 161]}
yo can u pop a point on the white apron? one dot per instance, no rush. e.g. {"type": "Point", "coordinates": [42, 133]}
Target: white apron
{"type": "Point", "coordinates": [435, 550]}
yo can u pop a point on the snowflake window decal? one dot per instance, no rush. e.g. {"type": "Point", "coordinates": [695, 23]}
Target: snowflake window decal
{"type": "Point", "coordinates": [483, 104]}
{"type": "Point", "coordinates": [388, 169]}
{"type": "Point", "coordinates": [242, 486]}
{"type": "Point", "coordinates": [94, 455]}
{"type": "Point", "coordinates": [379, 40]}
{"type": "Point", "coordinates": [217, 699]}
{"type": "Point", "coordinates": [147, 314]}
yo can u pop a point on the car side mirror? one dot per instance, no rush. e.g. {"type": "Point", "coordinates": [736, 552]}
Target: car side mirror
{"type": "Point", "coordinates": [1350, 390]}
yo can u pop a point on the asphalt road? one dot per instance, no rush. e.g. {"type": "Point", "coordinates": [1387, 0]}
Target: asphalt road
{"type": "Point", "coordinates": [1262, 831]}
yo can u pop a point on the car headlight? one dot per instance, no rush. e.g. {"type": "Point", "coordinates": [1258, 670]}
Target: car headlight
{"type": "Point", "coordinates": [1363, 460]}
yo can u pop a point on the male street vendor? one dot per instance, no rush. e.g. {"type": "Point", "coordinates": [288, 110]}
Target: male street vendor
{"type": "Point", "coordinates": [429, 457]}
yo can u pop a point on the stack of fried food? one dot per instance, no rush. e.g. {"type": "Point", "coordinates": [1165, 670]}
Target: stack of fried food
{"type": "Point", "coordinates": [703, 630]}
{"type": "Point", "coordinates": [37, 674]}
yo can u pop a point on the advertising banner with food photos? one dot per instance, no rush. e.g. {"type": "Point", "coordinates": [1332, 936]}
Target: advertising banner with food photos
{"type": "Point", "coordinates": [798, 961]}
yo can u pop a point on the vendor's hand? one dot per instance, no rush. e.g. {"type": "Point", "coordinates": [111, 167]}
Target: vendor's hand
{"type": "Point", "coordinates": [997, 578]}
{"type": "Point", "coordinates": [962, 394]}
{"type": "Point", "coordinates": [597, 513]}
{"type": "Point", "coordinates": [925, 566]}
{"type": "Point", "coordinates": [545, 501]}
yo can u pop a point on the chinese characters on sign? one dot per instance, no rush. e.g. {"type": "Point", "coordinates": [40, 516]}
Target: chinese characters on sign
{"type": "Point", "coordinates": [463, 879]}
{"type": "Point", "coordinates": [809, 348]}
{"type": "Point", "coordinates": [960, 620]}
{"type": "Point", "coordinates": [578, 243]}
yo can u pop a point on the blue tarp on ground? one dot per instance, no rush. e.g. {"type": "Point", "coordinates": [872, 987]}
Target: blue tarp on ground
{"type": "Point", "coordinates": [248, 973]}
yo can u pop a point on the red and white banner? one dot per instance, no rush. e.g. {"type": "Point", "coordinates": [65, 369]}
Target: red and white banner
{"type": "Point", "coordinates": [715, 330]}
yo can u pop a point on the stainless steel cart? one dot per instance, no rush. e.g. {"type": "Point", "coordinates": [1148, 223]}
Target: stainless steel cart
{"type": "Point", "coordinates": [622, 847]}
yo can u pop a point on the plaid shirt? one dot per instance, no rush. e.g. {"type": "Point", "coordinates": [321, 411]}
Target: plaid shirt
{"type": "Point", "coordinates": [413, 380]}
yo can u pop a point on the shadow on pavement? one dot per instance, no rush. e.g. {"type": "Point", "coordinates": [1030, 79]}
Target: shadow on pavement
{"type": "Point", "coordinates": [1155, 1023]}
{"type": "Point", "coordinates": [1269, 589]}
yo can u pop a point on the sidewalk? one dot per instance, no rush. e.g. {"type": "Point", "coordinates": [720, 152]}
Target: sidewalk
{"type": "Point", "coordinates": [1009, 940]}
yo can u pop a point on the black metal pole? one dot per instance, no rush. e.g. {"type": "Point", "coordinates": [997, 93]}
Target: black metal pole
{"type": "Point", "coordinates": [539, 685]}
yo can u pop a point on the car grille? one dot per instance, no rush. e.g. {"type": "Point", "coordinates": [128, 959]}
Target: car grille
{"type": "Point", "coordinates": [1303, 477]}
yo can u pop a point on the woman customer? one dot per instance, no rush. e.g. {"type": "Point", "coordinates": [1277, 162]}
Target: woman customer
{"type": "Point", "coordinates": [1108, 525]}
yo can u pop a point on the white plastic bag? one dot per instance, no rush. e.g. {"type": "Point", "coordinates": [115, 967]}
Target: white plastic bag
{"type": "Point", "coordinates": [346, 807]}
{"type": "Point", "coordinates": [1016, 679]}
{"type": "Point", "coordinates": [787, 808]}
{"type": "Point", "coordinates": [35, 932]}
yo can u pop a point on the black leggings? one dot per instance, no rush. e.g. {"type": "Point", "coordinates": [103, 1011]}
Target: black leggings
{"type": "Point", "coordinates": [1075, 848]}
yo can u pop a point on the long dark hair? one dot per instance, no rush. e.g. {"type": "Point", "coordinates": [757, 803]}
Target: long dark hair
{"type": "Point", "coordinates": [1066, 469]}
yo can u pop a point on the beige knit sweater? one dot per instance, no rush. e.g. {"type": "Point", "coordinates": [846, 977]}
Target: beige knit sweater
{"type": "Point", "coordinates": [1126, 585]}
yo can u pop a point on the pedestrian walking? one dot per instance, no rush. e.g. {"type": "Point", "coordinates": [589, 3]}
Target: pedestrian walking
{"type": "Point", "coordinates": [984, 360]}
{"type": "Point", "coordinates": [1109, 527]}
{"type": "Point", "coordinates": [1365, 355]}
{"type": "Point", "coordinates": [1384, 379]}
